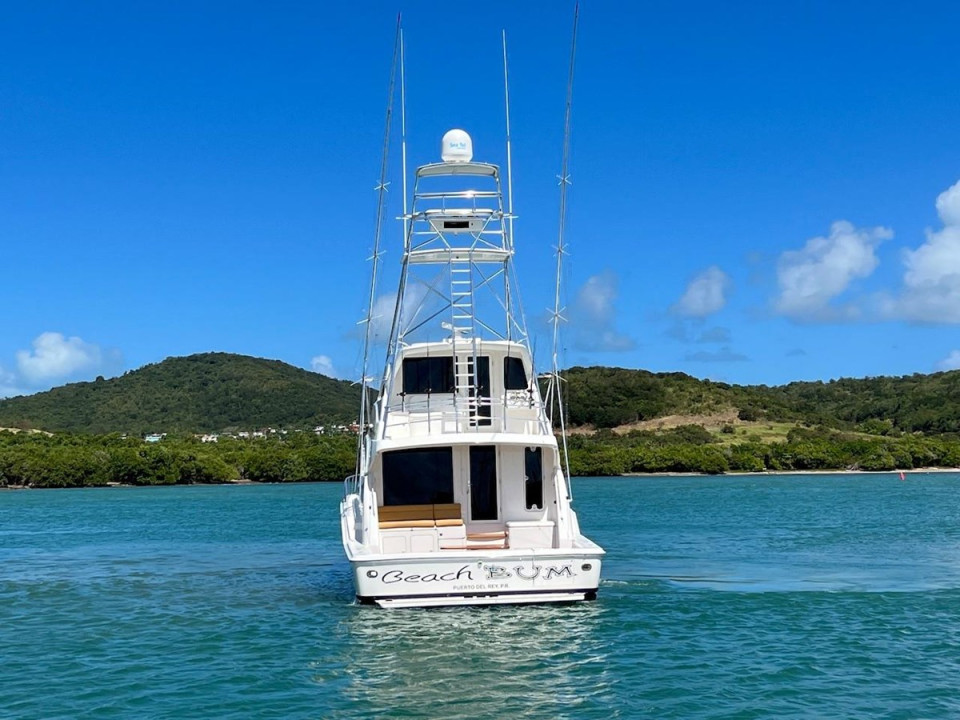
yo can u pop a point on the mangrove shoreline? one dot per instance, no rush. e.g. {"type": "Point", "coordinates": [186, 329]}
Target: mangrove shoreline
{"type": "Point", "coordinates": [41, 460]}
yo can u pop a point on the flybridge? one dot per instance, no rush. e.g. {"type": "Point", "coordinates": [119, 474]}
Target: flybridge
{"type": "Point", "coordinates": [456, 278]}
{"type": "Point", "coordinates": [458, 307]}
{"type": "Point", "coordinates": [457, 212]}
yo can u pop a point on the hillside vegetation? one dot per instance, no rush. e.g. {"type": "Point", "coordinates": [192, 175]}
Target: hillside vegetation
{"type": "Point", "coordinates": [610, 397]}
{"type": "Point", "coordinates": [625, 421]}
{"type": "Point", "coordinates": [70, 460]}
{"type": "Point", "coordinates": [632, 421]}
{"type": "Point", "coordinates": [209, 392]}
{"type": "Point", "coordinates": [690, 448]}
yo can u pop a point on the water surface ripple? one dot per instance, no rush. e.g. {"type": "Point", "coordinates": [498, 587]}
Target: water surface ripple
{"type": "Point", "coordinates": [730, 597]}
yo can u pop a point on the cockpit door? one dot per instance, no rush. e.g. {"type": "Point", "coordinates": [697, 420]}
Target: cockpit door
{"type": "Point", "coordinates": [484, 504]}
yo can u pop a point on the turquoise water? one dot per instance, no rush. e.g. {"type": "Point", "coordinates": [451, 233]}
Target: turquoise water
{"type": "Point", "coordinates": [730, 597]}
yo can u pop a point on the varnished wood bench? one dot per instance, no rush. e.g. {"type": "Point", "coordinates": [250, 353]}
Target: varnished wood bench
{"type": "Point", "coordinates": [419, 516]}
{"type": "Point", "coordinates": [405, 516]}
{"type": "Point", "coordinates": [447, 515]}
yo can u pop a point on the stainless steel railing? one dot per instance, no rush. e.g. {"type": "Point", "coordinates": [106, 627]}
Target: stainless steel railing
{"type": "Point", "coordinates": [439, 414]}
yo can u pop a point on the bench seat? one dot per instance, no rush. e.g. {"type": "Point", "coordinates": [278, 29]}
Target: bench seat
{"type": "Point", "coordinates": [388, 524]}
{"type": "Point", "coordinates": [419, 516]}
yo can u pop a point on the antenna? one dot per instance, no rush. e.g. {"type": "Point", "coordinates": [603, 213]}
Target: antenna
{"type": "Point", "coordinates": [555, 383]}
{"type": "Point", "coordinates": [381, 189]}
{"type": "Point", "coordinates": [506, 94]}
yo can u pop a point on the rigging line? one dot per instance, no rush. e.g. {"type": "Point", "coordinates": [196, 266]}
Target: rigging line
{"type": "Point", "coordinates": [381, 207]}
{"type": "Point", "coordinates": [561, 249]}
{"type": "Point", "coordinates": [395, 332]}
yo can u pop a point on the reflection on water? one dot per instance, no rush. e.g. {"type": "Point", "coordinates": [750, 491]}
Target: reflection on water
{"type": "Point", "coordinates": [532, 661]}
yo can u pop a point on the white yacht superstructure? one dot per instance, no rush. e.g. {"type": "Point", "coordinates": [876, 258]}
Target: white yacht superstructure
{"type": "Point", "coordinates": [461, 496]}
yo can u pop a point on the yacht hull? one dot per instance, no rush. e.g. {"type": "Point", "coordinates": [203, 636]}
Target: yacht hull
{"type": "Point", "coordinates": [478, 577]}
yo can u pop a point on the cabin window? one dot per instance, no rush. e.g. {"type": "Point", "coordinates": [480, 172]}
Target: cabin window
{"type": "Point", "coordinates": [533, 483]}
{"type": "Point", "coordinates": [420, 476]}
{"type": "Point", "coordinates": [428, 375]}
{"type": "Point", "coordinates": [483, 482]}
{"type": "Point", "coordinates": [514, 376]}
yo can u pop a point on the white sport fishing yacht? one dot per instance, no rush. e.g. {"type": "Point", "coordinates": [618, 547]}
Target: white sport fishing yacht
{"type": "Point", "coordinates": [461, 497]}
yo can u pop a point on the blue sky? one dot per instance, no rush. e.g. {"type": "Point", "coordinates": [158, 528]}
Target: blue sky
{"type": "Point", "coordinates": [762, 192]}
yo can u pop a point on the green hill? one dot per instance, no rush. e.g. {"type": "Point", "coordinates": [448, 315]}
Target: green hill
{"type": "Point", "coordinates": [219, 391]}
{"type": "Point", "coordinates": [611, 397]}
{"type": "Point", "coordinates": [200, 393]}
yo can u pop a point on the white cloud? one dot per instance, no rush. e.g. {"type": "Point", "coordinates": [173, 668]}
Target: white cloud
{"type": "Point", "coordinates": [323, 364]}
{"type": "Point", "coordinates": [381, 319]}
{"type": "Point", "coordinates": [705, 295]}
{"type": "Point", "coordinates": [931, 283]}
{"type": "Point", "coordinates": [593, 316]}
{"type": "Point", "coordinates": [9, 385]}
{"type": "Point", "coordinates": [55, 357]}
{"type": "Point", "coordinates": [417, 304]}
{"type": "Point", "coordinates": [950, 362]}
{"type": "Point", "coordinates": [724, 354]}
{"type": "Point", "coordinates": [811, 278]}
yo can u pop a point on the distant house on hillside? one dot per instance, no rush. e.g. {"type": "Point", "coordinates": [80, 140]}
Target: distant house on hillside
{"type": "Point", "coordinates": [154, 437]}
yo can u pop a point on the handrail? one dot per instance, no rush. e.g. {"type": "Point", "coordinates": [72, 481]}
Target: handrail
{"type": "Point", "coordinates": [354, 485]}
{"type": "Point", "coordinates": [441, 415]}
{"type": "Point", "coordinates": [456, 194]}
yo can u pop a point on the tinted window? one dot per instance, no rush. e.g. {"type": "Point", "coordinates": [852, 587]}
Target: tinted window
{"type": "Point", "coordinates": [428, 375]}
{"type": "Point", "coordinates": [533, 484]}
{"type": "Point", "coordinates": [418, 477]}
{"type": "Point", "coordinates": [514, 376]}
{"type": "Point", "coordinates": [482, 378]}
{"type": "Point", "coordinates": [483, 482]}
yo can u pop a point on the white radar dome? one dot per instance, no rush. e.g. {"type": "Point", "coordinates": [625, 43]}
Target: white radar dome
{"type": "Point", "coordinates": [456, 146]}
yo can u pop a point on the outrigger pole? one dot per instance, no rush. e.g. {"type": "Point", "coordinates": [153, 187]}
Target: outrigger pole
{"type": "Point", "coordinates": [395, 331]}
{"type": "Point", "coordinates": [509, 226]}
{"type": "Point", "coordinates": [555, 389]}
{"type": "Point", "coordinates": [506, 94]}
{"type": "Point", "coordinates": [381, 188]}
{"type": "Point", "coordinates": [403, 132]}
